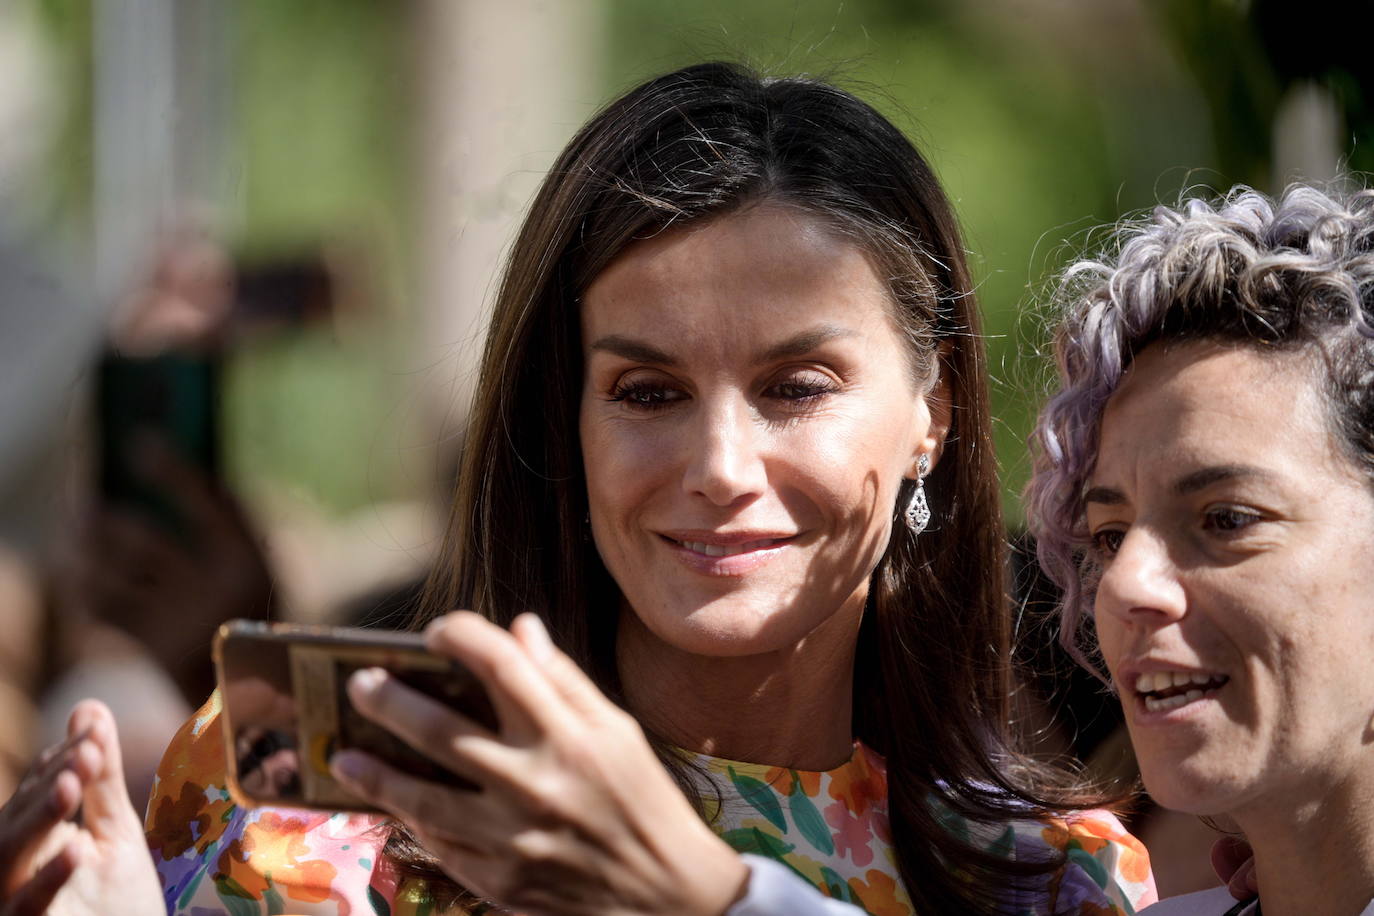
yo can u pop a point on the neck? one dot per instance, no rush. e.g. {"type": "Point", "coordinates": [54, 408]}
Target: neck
{"type": "Point", "coordinates": [1315, 858]}
{"type": "Point", "coordinates": [790, 707]}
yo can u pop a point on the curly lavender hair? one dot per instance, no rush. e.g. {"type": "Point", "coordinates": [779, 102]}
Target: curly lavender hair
{"type": "Point", "coordinates": [1291, 274]}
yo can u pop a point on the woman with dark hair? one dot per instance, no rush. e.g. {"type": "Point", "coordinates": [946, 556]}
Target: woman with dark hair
{"type": "Point", "coordinates": [730, 448]}
{"type": "Point", "coordinates": [1204, 494]}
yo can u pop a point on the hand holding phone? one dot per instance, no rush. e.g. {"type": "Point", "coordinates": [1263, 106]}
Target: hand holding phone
{"type": "Point", "coordinates": [286, 713]}
{"type": "Point", "coordinates": [575, 812]}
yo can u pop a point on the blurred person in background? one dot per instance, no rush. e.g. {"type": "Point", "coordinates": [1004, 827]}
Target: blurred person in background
{"type": "Point", "coordinates": [1204, 494]}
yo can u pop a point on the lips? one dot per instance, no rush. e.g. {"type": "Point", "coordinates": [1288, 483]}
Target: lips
{"type": "Point", "coordinates": [726, 553]}
{"type": "Point", "coordinates": [1161, 691]}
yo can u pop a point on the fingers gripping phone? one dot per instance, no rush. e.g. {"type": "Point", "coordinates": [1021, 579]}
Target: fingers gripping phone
{"type": "Point", "coordinates": [286, 711]}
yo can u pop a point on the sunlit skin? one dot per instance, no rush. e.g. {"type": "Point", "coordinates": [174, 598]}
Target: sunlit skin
{"type": "Point", "coordinates": [1238, 547]}
{"type": "Point", "coordinates": [746, 391]}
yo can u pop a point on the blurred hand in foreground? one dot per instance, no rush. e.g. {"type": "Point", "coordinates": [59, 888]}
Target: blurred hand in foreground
{"type": "Point", "coordinates": [50, 864]}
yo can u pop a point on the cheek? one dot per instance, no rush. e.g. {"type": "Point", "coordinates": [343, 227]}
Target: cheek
{"type": "Point", "coordinates": [850, 480]}
{"type": "Point", "coordinates": [1108, 632]}
{"type": "Point", "coordinates": [624, 463]}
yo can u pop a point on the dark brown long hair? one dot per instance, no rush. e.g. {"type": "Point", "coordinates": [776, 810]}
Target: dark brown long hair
{"type": "Point", "coordinates": [932, 671]}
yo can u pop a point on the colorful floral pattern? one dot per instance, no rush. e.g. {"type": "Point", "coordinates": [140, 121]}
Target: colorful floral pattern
{"type": "Point", "coordinates": [831, 828]}
{"type": "Point", "coordinates": [216, 858]}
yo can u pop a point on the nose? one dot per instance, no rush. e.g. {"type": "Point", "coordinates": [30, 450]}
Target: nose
{"type": "Point", "coordinates": [725, 464]}
{"type": "Point", "coordinates": [1141, 583]}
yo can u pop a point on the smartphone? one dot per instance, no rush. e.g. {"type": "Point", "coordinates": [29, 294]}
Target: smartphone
{"type": "Point", "coordinates": [172, 397]}
{"type": "Point", "coordinates": [286, 712]}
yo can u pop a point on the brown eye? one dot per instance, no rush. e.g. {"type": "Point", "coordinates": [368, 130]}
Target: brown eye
{"type": "Point", "coordinates": [1229, 519]}
{"type": "Point", "coordinates": [643, 395]}
{"type": "Point", "coordinates": [802, 388]}
{"type": "Point", "coordinates": [1108, 541]}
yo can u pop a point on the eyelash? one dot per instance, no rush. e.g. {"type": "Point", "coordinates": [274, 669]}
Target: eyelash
{"type": "Point", "coordinates": [651, 396]}
{"type": "Point", "coordinates": [1232, 514]}
{"type": "Point", "coordinates": [1108, 541]}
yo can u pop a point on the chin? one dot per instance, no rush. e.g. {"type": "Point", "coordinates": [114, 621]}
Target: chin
{"type": "Point", "coordinates": [1191, 789]}
{"type": "Point", "coordinates": [729, 628]}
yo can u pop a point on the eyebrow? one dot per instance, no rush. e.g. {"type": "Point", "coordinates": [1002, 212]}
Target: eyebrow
{"type": "Point", "coordinates": [1188, 483]}
{"type": "Point", "coordinates": [1200, 480]}
{"type": "Point", "coordinates": [797, 345]}
{"type": "Point", "coordinates": [805, 342]}
{"type": "Point", "coordinates": [635, 350]}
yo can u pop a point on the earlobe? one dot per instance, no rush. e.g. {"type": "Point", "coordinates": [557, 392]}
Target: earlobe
{"type": "Point", "coordinates": [939, 416]}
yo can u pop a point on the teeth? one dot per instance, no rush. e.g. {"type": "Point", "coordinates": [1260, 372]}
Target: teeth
{"type": "Point", "coordinates": [1164, 690]}
{"type": "Point", "coordinates": [1154, 704]}
{"type": "Point", "coordinates": [724, 550]}
{"type": "Point", "coordinates": [1158, 681]}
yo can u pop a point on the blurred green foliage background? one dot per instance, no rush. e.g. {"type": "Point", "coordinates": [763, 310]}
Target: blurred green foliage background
{"type": "Point", "coordinates": [1044, 118]}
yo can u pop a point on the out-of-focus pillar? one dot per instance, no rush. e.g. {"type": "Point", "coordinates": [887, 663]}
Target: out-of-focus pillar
{"type": "Point", "coordinates": [504, 84]}
{"type": "Point", "coordinates": [1307, 136]}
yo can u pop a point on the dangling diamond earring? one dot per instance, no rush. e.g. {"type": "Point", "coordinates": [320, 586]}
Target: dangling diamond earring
{"type": "Point", "coordinates": [917, 509]}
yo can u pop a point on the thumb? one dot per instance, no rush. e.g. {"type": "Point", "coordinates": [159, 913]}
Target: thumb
{"type": "Point", "coordinates": [106, 807]}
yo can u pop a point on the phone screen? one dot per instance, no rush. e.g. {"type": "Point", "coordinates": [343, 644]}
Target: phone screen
{"type": "Point", "coordinates": [286, 710]}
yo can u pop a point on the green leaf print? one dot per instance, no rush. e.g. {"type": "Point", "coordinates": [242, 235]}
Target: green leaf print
{"type": "Point", "coordinates": [226, 886]}
{"type": "Point", "coordinates": [379, 904]}
{"type": "Point", "coordinates": [753, 840]}
{"type": "Point", "coordinates": [838, 887]}
{"type": "Point", "coordinates": [275, 905]}
{"type": "Point", "coordinates": [761, 797]}
{"type": "Point", "coordinates": [1090, 865]}
{"type": "Point", "coordinates": [1005, 845]}
{"type": "Point", "coordinates": [808, 819]}
{"type": "Point", "coordinates": [236, 900]}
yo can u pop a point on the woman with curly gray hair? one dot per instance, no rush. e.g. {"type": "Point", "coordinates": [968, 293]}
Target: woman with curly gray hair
{"type": "Point", "coordinates": [1204, 494]}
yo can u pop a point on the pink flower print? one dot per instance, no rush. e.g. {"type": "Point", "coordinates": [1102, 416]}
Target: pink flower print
{"type": "Point", "coordinates": [882, 827]}
{"type": "Point", "coordinates": [852, 834]}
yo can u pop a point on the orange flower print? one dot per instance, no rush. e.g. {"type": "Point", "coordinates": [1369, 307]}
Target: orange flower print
{"type": "Point", "coordinates": [176, 823]}
{"type": "Point", "coordinates": [1133, 861]}
{"type": "Point", "coordinates": [1055, 834]}
{"type": "Point", "coordinates": [879, 894]}
{"type": "Point", "coordinates": [860, 785]}
{"type": "Point", "coordinates": [781, 779]}
{"type": "Point", "coordinates": [275, 845]}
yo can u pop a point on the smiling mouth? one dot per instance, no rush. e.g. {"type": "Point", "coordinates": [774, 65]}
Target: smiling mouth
{"type": "Point", "coordinates": [1164, 690]}
{"type": "Point", "coordinates": [728, 550]}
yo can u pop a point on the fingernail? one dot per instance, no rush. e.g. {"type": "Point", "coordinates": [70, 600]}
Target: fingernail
{"type": "Point", "coordinates": [348, 766]}
{"type": "Point", "coordinates": [366, 680]}
{"type": "Point", "coordinates": [540, 645]}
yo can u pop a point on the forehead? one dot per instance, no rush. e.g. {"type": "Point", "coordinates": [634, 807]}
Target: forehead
{"type": "Point", "coordinates": [768, 262]}
{"type": "Point", "coordinates": [1207, 402]}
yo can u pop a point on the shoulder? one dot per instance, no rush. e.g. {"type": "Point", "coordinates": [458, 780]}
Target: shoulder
{"type": "Point", "coordinates": [1103, 864]}
{"type": "Point", "coordinates": [211, 853]}
{"type": "Point", "coordinates": [1214, 902]}
{"type": "Point", "coordinates": [189, 805]}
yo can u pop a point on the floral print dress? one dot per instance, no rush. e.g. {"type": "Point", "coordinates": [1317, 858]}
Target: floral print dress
{"type": "Point", "coordinates": [830, 828]}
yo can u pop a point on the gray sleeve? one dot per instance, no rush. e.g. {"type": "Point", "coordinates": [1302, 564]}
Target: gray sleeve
{"type": "Point", "coordinates": [775, 890]}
